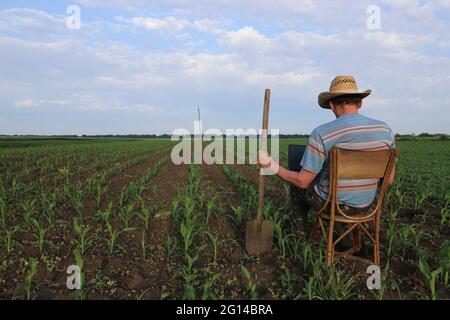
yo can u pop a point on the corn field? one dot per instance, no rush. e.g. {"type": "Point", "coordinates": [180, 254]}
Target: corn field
{"type": "Point", "coordinates": [138, 226]}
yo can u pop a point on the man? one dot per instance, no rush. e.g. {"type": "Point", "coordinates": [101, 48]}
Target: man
{"type": "Point", "coordinates": [350, 130]}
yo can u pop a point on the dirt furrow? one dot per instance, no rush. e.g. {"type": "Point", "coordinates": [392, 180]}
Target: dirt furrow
{"type": "Point", "coordinates": [154, 275]}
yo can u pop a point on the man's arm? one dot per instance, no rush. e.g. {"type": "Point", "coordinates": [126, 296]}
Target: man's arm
{"type": "Point", "coordinates": [300, 179]}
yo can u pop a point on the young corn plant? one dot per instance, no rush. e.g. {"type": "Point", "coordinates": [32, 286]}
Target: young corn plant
{"type": "Point", "coordinates": [193, 180]}
{"type": "Point", "coordinates": [445, 213]}
{"type": "Point", "coordinates": [29, 208]}
{"type": "Point", "coordinates": [177, 211]}
{"type": "Point", "coordinates": [3, 212]}
{"type": "Point", "coordinates": [68, 193]}
{"type": "Point", "coordinates": [79, 207]}
{"type": "Point", "coordinates": [289, 281]}
{"type": "Point", "coordinates": [431, 276]}
{"type": "Point", "coordinates": [90, 184]}
{"type": "Point", "coordinates": [28, 284]}
{"type": "Point", "coordinates": [201, 198]}
{"type": "Point", "coordinates": [106, 215]}
{"type": "Point", "coordinates": [123, 198]}
{"type": "Point", "coordinates": [144, 245]}
{"type": "Point", "coordinates": [188, 232]}
{"type": "Point", "coordinates": [210, 208]}
{"type": "Point", "coordinates": [8, 238]}
{"type": "Point", "coordinates": [284, 239]}
{"type": "Point", "coordinates": [176, 202]}
{"type": "Point", "coordinates": [444, 261]}
{"type": "Point", "coordinates": [421, 196]}
{"type": "Point", "coordinates": [391, 231]}
{"type": "Point", "coordinates": [238, 215]}
{"type": "Point", "coordinates": [126, 214]}
{"type": "Point", "coordinates": [170, 246]}
{"type": "Point", "coordinates": [49, 209]}
{"type": "Point", "coordinates": [99, 192]}
{"type": "Point", "coordinates": [2, 190]}
{"type": "Point", "coordinates": [64, 174]}
{"type": "Point", "coordinates": [306, 255]}
{"type": "Point", "coordinates": [81, 294]}
{"type": "Point", "coordinates": [40, 231]}
{"type": "Point", "coordinates": [145, 215]}
{"type": "Point", "coordinates": [400, 195]}
{"type": "Point", "coordinates": [404, 234]}
{"type": "Point", "coordinates": [190, 274]}
{"type": "Point", "coordinates": [251, 286]}
{"type": "Point", "coordinates": [15, 188]}
{"type": "Point", "coordinates": [214, 243]}
{"type": "Point", "coordinates": [190, 280]}
{"type": "Point", "coordinates": [112, 240]}
{"type": "Point", "coordinates": [379, 294]}
{"type": "Point", "coordinates": [189, 207]}
{"type": "Point", "coordinates": [208, 291]}
{"type": "Point", "coordinates": [418, 236]}
{"type": "Point", "coordinates": [84, 241]}
{"type": "Point", "coordinates": [335, 284]}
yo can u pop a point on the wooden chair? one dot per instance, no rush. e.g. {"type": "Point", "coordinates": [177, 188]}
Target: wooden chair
{"type": "Point", "coordinates": [355, 165]}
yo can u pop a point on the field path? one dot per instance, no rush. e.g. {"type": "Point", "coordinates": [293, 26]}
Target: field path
{"type": "Point", "coordinates": [264, 268]}
{"type": "Point", "coordinates": [154, 275]}
{"type": "Point", "coordinates": [230, 250]}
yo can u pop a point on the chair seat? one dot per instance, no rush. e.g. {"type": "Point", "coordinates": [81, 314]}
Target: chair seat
{"type": "Point", "coordinates": [341, 218]}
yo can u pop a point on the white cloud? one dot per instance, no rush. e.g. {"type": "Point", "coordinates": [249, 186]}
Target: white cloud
{"type": "Point", "coordinates": [26, 103]}
{"type": "Point", "coordinates": [245, 38]}
{"type": "Point", "coordinates": [30, 103]}
{"type": "Point", "coordinates": [58, 70]}
{"type": "Point", "coordinates": [291, 5]}
{"type": "Point", "coordinates": [175, 25]}
{"type": "Point", "coordinates": [29, 21]}
{"type": "Point", "coordinates": [87, 103]}
{"type": "Point", "coordinates": [170, 24]}
{"type": "Point", "coordinates": [420, 9]}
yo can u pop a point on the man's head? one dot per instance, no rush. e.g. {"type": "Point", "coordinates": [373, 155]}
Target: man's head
{"type": "Point", "coordinates": [343, 94]}
{"type": "Point", "coordinates": [345, 104]}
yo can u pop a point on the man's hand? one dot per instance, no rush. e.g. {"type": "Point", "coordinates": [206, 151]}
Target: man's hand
{"type": "Point", "coordinates": [300, 179]}
{"type": "Point", "coordinates": [266, 161]}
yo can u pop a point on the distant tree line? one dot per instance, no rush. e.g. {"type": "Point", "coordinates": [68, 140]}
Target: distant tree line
{"type": "Point", "coordinates": [431, 136]}
{"type": "Point", "coordinates": [411, 136]}
{"type": "Point", "coordinates": [166, 136]}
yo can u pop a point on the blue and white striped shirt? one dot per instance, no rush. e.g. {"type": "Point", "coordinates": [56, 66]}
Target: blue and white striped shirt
{"type": "Point", "coordinates": [351, 131]}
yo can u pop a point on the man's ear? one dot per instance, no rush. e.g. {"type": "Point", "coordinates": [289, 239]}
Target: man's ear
{"type": "Point", "coordinates": [359, 105]}
{"type": "Point", "coordinates": [331, 105]}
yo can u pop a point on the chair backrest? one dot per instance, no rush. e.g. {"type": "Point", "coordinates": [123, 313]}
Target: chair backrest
{"type": "Point", "coordinates": [356, 164]}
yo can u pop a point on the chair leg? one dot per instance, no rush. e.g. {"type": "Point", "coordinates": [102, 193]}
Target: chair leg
{"type": "Point", "coordinates": [330, 245]}
{"type": "Point", "coordinates": [376, 247]}
{"type": "Point", "coordinates": [376, 253]}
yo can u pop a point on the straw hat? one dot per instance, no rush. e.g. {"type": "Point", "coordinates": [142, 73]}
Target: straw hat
{"type": "Point", "coordinates": [340, 86]}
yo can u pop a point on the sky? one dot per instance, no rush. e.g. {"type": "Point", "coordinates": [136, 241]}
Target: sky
{"type": "Point", "coordinates": [143, 66]}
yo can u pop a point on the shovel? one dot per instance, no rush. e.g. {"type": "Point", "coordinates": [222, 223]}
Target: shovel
{"type": "Point", "coordinates": [259, 232]}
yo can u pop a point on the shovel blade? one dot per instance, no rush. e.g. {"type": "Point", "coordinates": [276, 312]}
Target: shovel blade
{"type": "Point", "coordinates": [258, 236]}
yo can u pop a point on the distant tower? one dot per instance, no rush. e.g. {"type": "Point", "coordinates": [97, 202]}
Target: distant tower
{"type": "Point", "coordinates": [200, 121]}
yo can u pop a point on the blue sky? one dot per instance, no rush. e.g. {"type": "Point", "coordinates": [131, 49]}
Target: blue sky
{"type": "Point", "coordinates": [139, 66]}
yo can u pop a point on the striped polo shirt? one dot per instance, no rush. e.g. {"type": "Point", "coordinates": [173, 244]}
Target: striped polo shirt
{"type": "Point", "coordinates": [351, 131]}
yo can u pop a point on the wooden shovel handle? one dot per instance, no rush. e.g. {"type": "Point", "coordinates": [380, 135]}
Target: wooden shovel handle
{"type": "Point", "coordinates": [263, 147]}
